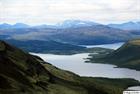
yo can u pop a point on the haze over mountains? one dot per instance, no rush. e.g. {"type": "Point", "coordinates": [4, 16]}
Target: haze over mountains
{"type": "Point", "coordinates": [38, 37]}
{"type": "Point", "coordinates": [75, 32]}
{"type": "Point", "coordinates": [17, 25]}
{"type": "Point", "coordinates": [21, 72]}
{"type": "Point", "coordinates": [127, 26]}
{"type": "Point", "coordinates": [75, 23]}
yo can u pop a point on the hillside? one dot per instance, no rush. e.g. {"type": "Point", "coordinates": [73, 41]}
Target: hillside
{"type": "Point", "coordinates": [126, 56]}
{"type": "Point", "coordinates": [49, 46]}
{"type": "Point", "coordinates": [22, 73]}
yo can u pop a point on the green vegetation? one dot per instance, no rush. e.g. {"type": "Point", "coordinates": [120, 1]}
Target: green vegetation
{"type": "Point", "coordinates": [22, 73]}
{"type": "Point", "coordinates": [87, 85]}
{"type": "Point", "coordinates": [126, 56]}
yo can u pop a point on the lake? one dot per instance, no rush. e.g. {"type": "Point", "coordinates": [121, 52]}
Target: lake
{"type": "Point", "coordinates": [76, 63]}
{"type": "Point", "coordinates": [109, 46]}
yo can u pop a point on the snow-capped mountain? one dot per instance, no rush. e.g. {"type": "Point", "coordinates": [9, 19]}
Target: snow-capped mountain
{"type": "Point", "coordinates": [75, 23]}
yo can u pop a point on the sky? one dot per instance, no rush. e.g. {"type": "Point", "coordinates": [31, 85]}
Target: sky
{"type": "Point", "coordinates": [53, 11]}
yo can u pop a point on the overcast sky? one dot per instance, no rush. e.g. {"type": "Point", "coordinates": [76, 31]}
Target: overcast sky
{"type": "Point", "coordinates": [53, 11]}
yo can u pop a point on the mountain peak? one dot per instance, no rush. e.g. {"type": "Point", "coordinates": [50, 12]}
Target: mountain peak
{"type": "Point", "coordinates": [20, 25]}
{"type": "Point", "coordinates": [75, 23]}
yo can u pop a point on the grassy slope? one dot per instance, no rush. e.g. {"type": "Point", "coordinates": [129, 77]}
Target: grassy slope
{"type": "Point", "coordinates": [22, 73]}
{"type": "Point", "coordinates": [86, 85]}
{"type": "Point", "coordinates": [126, 56]}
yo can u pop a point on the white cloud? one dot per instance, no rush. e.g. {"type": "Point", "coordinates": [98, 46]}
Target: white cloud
{"type": "Point", "coordinates": [52, 11]}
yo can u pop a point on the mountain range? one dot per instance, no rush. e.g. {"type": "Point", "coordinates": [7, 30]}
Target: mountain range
{"type": "Point", "coordinates": [75, 23]}
{"type": "Point", "coordinates": [127, 26]}
{"type": "Point", "coordinates": [17, 25]}
{"type": "Point", "coordinates": [87, 35]}
{"type": "Point", "coordinates": [75, 32]}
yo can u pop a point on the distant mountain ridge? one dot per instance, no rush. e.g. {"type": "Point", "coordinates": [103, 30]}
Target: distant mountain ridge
{"type": "Point", "coordinates": [74, 24]}
{"type": "Point", "coordinates": [72, 32]}
{"type": "Point", "coordinates": [17, 25]}
{"type": "Point", "coordinates": [64, 24]}
{"type": "Point", "coordinates": [88, 35]}
{"type": "Point", "coordinates": [127, 26]}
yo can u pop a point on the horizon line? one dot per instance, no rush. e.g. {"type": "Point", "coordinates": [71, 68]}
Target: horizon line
{"type": "Point", "coordinates": [54, 24]}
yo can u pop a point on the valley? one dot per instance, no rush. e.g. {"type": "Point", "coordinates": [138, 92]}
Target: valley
{"type": "Point", "coordinates": [69, 46]}
{"type": "Point", "coordinates": [22, 73]}
{"type": "Point", "coordinates": [77, 59]}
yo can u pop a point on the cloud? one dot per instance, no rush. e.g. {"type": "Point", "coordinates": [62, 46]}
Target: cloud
{"type": "Point", "coordinates": [52, 11]}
